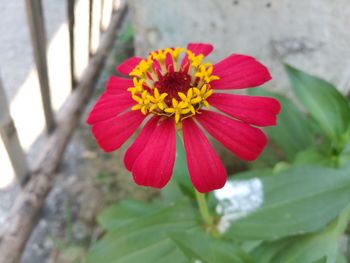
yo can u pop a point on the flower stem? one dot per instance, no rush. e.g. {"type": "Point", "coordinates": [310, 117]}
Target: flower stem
{"type": "Point", "coordinates": [203, 208]}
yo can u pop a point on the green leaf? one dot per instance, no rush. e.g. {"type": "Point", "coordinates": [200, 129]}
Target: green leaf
{"type": "Point", "coordinates": [271, 155]}
{"type": "Point", "coordinates": [313, 156]}
{"type": "Point", "coordinates": [322, 260]}
{"type": "Point", "coordinates": [200, 246]}
{"type": "Point", "coordinates": [124, 213]}
{"type": "Point", "coordinates": [323, 101]}
{"type": "Point", "coordinates": [341, 258]}
{"type": "Point", "coordinates": [281, 167]}
{"type": "Point", "coordinates": [299, 200]}
{"type": "Point", "coordinates": [321, 247]}
{"type": "Point", "coordinates": [344, 158]}
{"type": "Point", "coordinates": [293, 131]}
{"type": "Point", "coordinates": [250, 174]}
{"type": "Point", "coordinates": [142, 237]}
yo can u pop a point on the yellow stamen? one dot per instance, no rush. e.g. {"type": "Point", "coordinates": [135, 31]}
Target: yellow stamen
{"type": "Point", "coordinates": [158, 100]}
{"type": "Point", "coordinates": [143, 102]}
{"type": "Point", "coordinates": [141, 68]}
{"type": "Point", "coordinates": [188, 99]}
{"type": "Point", "coordinates": [146, 93]}
{"type": "Point", "coordinates": [195, 61]}
{"type": "Point", "coordinates": [178, 109]}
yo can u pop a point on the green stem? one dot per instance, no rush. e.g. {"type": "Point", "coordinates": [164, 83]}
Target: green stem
{"type": "Point", "coordinates": [203, 208]}
{"type": "Point", "coordinates": [343, 220]}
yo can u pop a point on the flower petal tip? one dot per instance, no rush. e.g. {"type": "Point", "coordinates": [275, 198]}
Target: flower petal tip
{"type": "Point", "coordinates": [200, 48]}
{"type": "Point", "coordinates": [238, 72]}
{"type": "Point", "coordinates": [128, 65]}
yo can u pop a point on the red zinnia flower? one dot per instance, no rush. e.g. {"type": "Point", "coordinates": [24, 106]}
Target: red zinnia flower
{"type": "Point", "coordinates": [176, 90]}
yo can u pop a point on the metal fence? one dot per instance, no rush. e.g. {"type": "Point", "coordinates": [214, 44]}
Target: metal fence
{"type": "Point", "coordinates": [37, 181]}
{"type": "Point", "coordinates": [36, 23]}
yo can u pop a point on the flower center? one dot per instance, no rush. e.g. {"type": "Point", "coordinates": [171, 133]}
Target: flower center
{"type": "Point", "coordinates": [172, 83]}
{"type": "Point", "coordinates": [163, 86]}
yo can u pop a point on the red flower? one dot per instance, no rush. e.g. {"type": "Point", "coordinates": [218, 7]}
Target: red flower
{"type": "Point", "coordinates": [173, 89]}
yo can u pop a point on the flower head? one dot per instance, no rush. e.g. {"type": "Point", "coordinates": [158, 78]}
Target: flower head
{"type": "Point", "coordinates": [174, 89]}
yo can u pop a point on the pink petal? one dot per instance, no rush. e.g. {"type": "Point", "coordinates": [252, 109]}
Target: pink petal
{"type": "Point", "coordinates": [196, 48]}
{"type": "Point", "coordinates": [238, 72]}
{"type": "Point", "coordinates": [169, 64]}
{"type": "Point", "coordinates": [140, 143]}
{"type": "Point", "coordinates": [112, 133]}
{"type": "Point", "coordinates": [260, 111]}
{"type": "Point", "coordinates": [128, 65]}
{"type": "Point", "coordinates": [243, 140]}
{"type": "Point", "coordinates": [108, 106]}
{"type": "Point", "coordinates": [156, 67]}
{"type": "Point", "coordinates": [206, 169]}
{"type": "Point", "coordinates": [200, 48]}
{"type": "Point", "coordinates": [154, 166]}
{"type": "Point", "coordinates": [117, 85]}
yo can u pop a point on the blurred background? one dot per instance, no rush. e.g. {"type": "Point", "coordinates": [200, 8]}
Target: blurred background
{"type": "Point", "coordinates": [311, 35]}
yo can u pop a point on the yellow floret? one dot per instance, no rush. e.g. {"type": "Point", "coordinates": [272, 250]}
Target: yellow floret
{"type": "Point", "coordinates": [157, 100]}
{"type": "Point", "coordinates": [142, 102]}
{"type": "Point", "coordinates": [178, 109]}
{"type": "Point", "coordinates": [188, 99]}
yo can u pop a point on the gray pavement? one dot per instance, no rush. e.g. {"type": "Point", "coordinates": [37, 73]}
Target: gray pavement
{"type": "Point", "coordinates": [16, 58]}
{"type": "Point", "coordinates": [16, 64]}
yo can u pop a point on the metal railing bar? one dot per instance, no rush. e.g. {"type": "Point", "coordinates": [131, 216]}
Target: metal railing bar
{"type": "Point", "coordinates": [71, 23]}
{"type": "Point", "coordinates": [10, 139]}
{"type": "Point", "coordinates": [38, 38]}
{"type": "Point", "coordinates": [101, 16]}
{"type": "Point", "coordinates": [91, 3]}
{"type": "Point", "coordinates": [26, 208]}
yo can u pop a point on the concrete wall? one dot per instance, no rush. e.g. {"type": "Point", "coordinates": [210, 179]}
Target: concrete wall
{"type": "Point", "coordinates": [313, 35]}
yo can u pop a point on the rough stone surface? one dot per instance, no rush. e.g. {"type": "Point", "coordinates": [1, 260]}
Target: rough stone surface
{"type": "Point", "coordinates": [312, 35]}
